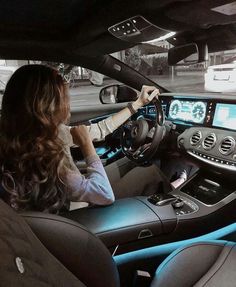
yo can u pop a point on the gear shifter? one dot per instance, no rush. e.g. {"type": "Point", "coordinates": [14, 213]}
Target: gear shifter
{"type": "Point", "coordinates": [161, 198]}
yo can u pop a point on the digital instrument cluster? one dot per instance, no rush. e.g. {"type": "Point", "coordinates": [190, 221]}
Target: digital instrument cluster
{"type": "Point", "coordinates": [207, 112]}
{"type": "Point", "coordinates": [187, 110]}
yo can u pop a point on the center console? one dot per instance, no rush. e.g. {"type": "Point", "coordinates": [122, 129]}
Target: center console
{"type": "Point", "coordinates": [207, 203]}
{"type": "Point", "coordinates": [209, 191]}
{"type": "Point", "coordinates": [127, 224]}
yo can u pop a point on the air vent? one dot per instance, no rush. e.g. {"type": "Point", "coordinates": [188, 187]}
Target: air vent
{"type": "Point", "coordinates": [209, 141]}
{"type": "Point", "coordinates": [227, 145]}
{"type": "Point", "coordinates": [195, 138]}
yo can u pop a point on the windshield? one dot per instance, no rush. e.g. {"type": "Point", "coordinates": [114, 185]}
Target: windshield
{"type": "Point", "coordinates": [218, 74]}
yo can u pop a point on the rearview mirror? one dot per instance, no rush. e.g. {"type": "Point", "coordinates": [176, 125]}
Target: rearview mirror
{"type": "Point", "coordinates": [117, 94]}
{"type": "Point", "coordinates": [188, 54]}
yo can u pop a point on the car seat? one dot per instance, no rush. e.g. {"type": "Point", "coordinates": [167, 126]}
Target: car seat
{"type": "Point", "coordinates": [81, 259]}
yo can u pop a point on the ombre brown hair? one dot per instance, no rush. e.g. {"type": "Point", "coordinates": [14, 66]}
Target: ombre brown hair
{"type": "Point", "coordinates": [32, 157]}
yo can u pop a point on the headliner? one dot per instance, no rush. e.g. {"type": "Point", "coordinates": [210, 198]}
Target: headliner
{"type": "Point", "coordinates": [79, 27]}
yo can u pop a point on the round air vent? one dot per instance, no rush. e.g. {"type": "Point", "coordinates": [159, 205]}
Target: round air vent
{"type": "Point", "coordinates": [227, 145]}
{"type": "Point", "coordinates": [195, 138]}
{"type": "Point", "coordinates": [209, 141]}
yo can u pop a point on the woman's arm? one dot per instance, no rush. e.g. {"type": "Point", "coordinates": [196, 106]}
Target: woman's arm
{"type": "Point", "coordinates": [105, 127]}
{"type": "Point", "coordinates": [101, 129]}
{"type": "Point", "coordinates": [95, 187]}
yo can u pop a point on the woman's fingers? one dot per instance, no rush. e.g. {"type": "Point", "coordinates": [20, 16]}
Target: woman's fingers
{"type": "Point", "coordinates": [80, 134]}
{"type": "Point", "coordinates": [148, 89]}
{"type": "Point", "coordinates": [148, 93]}
{"type": "Point", "coordinates": [153, 95]}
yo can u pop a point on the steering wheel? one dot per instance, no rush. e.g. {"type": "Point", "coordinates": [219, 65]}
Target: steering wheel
{"type": "Point", "coordinates": [140, 138]}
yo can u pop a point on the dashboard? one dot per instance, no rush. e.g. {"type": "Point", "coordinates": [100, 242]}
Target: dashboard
{"type": "Point", "coordinates": [206, 126]}
{"type": "Point", "coordinates": [215, 112]}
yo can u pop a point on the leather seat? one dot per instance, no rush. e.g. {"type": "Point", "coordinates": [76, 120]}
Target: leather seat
{"type": "Point", "coordinates": [24, 261]}
{"type": "Point", "coordinates": [210, 264]}
{"type": "Point", "coordinates": [76, 248]}
{"type": "Point", "coordinates": [202, 264]}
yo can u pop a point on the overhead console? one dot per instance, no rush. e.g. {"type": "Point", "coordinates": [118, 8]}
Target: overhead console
{"type": "Point", "coordinates": [137, 29]}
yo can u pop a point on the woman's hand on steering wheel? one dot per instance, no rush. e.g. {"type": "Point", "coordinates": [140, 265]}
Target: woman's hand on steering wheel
{"type": "Point", "coordinates": [147, 94]}
{"type": "Point", "coordinates": [140, 138]}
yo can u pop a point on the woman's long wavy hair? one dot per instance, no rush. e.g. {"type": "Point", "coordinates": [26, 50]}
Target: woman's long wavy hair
{"type": "Point", "coordinates": [32, 157]}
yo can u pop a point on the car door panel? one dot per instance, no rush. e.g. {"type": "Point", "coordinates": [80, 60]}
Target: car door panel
{"type": "Point", "coordinates": [109, 149]}
{"type": "Point", "coordinates": [84, 114]}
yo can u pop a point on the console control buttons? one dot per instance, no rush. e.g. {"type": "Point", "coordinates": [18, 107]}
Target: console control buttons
{"type": "Point", "coordinates": [187, 207]}
{"type": "Point", "coordinates": [178, 203]}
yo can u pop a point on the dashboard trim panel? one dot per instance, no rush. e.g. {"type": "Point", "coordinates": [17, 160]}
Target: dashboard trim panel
{"type": "Point", "coordinates": [213, 163]}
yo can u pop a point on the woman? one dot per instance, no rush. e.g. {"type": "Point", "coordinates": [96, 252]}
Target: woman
{"type": "Point", "coordinates": [37, 171]}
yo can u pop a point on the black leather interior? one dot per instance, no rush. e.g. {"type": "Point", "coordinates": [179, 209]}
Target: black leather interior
{"type": "Point", "coordinates": [75, 247]}
{"type": "Point", "coordinates": [24, 261]}
{"type": "Point", "coordinates": [210, 264]}
{"type": "Point", "coordinates": [203, 264]}
{"type": "Point", "coordinates": [127, 220]}
{"type": "Point", "coordinates": [122, 222]}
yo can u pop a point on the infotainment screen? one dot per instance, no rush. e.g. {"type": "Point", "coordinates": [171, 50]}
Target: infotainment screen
{"type": "Point", "coordinates": [189, 111]}
{"type": "Point", "coordinates": [225, 116]}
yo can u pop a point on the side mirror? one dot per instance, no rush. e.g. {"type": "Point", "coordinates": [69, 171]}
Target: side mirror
{"type": "Point", "coordinates": [117, 94]}
{"type": "Point", "coordinates": [188, 54]}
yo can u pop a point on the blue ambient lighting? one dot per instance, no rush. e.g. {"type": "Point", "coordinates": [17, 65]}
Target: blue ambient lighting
{"type": "Point", "coordinates": [166, 249]}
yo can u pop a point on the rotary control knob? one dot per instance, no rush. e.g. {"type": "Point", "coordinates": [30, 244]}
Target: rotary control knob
{"type": "Point", "coordinates": [178, 203]}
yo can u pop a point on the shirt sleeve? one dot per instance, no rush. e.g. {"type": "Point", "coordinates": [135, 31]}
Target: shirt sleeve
{"type": "Point", "coordinates": [94, 188]}
{"type": "Point", "coordinates": [97, 131]}
{"type": "Point", "coordinates": [65, 135]}
{"type": "Point", "coordinates": [101, 129]}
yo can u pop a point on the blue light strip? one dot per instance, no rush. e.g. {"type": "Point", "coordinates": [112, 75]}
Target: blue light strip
{"type": "Point", "coordinates": [166, 249]}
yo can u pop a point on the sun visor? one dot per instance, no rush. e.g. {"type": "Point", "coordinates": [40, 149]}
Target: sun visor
{"type": "Point", "coordinates": [137, 29]}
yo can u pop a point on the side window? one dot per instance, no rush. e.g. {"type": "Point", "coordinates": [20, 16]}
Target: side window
{"type": "Point", "coordinates": [84, 84]}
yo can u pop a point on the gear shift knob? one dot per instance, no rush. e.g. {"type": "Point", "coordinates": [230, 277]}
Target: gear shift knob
{"type": "Point", "coordinates": [162, 199]}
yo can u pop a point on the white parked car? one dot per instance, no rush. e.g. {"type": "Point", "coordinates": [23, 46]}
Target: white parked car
{"type": "Point", "coordinates": [221, 78]}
